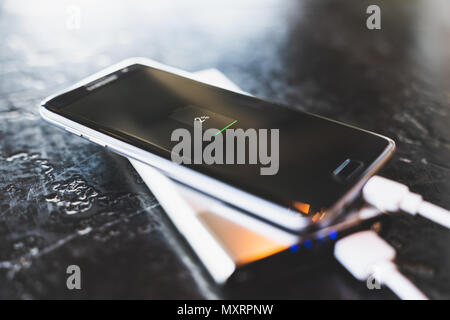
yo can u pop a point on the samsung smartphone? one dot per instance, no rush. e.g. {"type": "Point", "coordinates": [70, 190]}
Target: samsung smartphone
{"type": "Point", "coordinates": [284, 166]}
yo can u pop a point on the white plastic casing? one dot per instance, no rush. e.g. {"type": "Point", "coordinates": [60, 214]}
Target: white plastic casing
{"type": "Point", "coordinates": [360, 252]}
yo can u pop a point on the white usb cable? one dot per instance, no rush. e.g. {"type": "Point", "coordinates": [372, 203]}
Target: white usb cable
{"type": "Point", "coordinates": [365, 255]}
{"type": "Point", "coordinates": [391, 196]}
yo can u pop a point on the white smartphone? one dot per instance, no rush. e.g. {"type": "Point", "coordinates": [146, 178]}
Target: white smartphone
{"type": "Point", "coordinates": [284, 166]}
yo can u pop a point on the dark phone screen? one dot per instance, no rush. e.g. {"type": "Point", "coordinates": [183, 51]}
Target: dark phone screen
{"type": "Point", "coordinates": [311, 165]}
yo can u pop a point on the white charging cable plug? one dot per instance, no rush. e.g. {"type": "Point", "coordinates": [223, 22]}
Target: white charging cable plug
{"type": "Point", "coordinates": [368, 257]}
{"type": "Point", "coordinates": [391, 196]}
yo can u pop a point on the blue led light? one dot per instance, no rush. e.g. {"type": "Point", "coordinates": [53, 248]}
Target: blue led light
{"type": "Point", "coordinates": [294, 248]}
{"type": "Point", "coordinates": [333, 235]}
{"type": "Point", "coordinates": [308, 244]}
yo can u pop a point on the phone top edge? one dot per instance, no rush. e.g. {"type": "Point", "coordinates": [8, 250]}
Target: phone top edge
{"type": "Point", "coordinates": [126, 63]}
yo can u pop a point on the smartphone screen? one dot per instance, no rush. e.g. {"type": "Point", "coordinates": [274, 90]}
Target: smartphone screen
{"type": "Point", "coordinates": [295, 159]}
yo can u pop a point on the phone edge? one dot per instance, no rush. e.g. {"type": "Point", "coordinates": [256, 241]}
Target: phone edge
{"type": "Point", "coordinates": [288, 220]}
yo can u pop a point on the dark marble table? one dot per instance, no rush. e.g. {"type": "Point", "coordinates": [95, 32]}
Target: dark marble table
{"type": "Point", "coordinates": [65, 201]}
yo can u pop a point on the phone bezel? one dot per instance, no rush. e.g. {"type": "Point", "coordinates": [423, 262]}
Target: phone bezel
{"type": "Point", "coordinates": [261, 208]}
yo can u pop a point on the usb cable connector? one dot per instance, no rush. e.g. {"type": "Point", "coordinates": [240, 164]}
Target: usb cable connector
{"type": "Point", "coordinates": [391, 196]}
{"type": "Point", "coordinates": [365, 254]}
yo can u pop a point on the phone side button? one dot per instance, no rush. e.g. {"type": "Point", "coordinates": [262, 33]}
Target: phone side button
{"type": "Point", "coordinates": [73, 131]}
{"type": "Point", "coordinates": [97, 141]}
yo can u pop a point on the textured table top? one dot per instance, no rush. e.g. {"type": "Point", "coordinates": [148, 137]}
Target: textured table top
{"type": "Point", "coordinates": [65, 201]}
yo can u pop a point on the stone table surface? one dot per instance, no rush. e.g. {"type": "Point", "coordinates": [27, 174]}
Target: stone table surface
{"type": "Point", "coordinates": [65, 201]}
